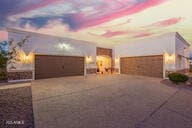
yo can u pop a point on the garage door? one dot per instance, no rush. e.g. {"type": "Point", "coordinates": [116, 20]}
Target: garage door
{"type": "Point", "coordinates": [49, 66]}
{"type": "Point", "coordinates": [144, 65]}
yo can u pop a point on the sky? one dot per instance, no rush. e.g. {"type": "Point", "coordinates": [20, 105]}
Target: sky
{"type": "Point", "coordinates": [106, 22]}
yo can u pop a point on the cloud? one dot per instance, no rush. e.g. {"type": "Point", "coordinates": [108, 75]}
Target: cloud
{"type": "Point", "coordinates": [117, 24]}
{"type": "Point", "coordinates": [109, 34]}
{"type": "Point", "coordinates": [167, 22]}
{"type": "Point", "coordinates": [143, 34]}
{"type": "Point", "coordinates": [85, 22]}
{"type": "Point", "coordinates": [128, 33]}
{"type": "Point", "coordinates": [72, 12]}
{"type": "Point", "coordinates": [40, 22]}
{"type": "Point", "coordinates": [9, 8]}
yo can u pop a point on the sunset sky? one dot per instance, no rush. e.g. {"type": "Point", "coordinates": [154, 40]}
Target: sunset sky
{"type": "Point", "coordinates": [99, 21]}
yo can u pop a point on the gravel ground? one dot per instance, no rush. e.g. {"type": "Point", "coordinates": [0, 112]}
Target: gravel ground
{"type": "Point", "coordinates": [16, 108]}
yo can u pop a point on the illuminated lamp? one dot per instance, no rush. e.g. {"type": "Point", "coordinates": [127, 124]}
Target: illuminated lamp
{"type": "Point", "coordinates": [117, 60]}
{"type": "Point", "coordinates": [169, 58]}
{"type": "Point", "coordinates": [88, 59]}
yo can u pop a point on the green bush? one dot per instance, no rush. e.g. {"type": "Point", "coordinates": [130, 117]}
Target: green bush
{"type": "Point", "coordinates": [177, 77]}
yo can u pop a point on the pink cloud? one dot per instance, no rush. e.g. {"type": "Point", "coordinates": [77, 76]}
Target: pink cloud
{"type": "Point", "coordinates": [85, 13]}
{"type": "Point", "coordinates": [144, 34]}
{"type": "Point", "coordinates": [117, 25]}
{"type": "Point", "coordinates": [85, 22]}
{"type": "Point", "coordinates": [133, 34]}
{"type": "Point", "coordinates": [167, 22]}
{"type": "Point", "coordinates": [170, 21]}
{"type": "Point", "coordinates": [109, 34]}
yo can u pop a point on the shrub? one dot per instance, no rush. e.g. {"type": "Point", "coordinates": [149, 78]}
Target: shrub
{"type": "Point", "coordinates": [177, 77]}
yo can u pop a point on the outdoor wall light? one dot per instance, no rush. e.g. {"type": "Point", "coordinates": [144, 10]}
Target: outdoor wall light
{"type": "Point", "coordinates": [26, 59]}
{"type": "Point", "coordinates": [64, 46]}
{"type": "Point", "coordinates": [169, 58]}
{"type": "Point", "coordinates": [117, 60]}
{"type": "Point", "coordinates": [88, 59]}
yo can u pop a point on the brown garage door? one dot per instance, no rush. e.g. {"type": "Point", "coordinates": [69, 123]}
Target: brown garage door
{"type": "Point", "coordinates": [49, 66]}
{"type": "Point", "coordinates": [144, 65]}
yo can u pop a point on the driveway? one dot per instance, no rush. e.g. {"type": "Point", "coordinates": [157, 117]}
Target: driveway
{"type": "Point", "coordinates": [111, 101]}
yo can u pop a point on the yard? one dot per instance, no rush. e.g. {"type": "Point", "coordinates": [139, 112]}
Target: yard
{"type": "Point", "coordinates": [16, 108]}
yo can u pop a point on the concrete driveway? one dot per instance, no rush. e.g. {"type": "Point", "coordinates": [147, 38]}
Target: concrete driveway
{"type": "Point", "coordinates": [113, 101]}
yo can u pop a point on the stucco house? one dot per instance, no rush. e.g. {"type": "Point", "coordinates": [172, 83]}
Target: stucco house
{"type": "Point", "coordinates": [46, 56]}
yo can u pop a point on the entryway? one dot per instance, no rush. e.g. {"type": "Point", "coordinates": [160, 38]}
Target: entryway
{"type": "Point", "coordinates": [104, 60]}
{"type": "Point", "coordinates": [103, 64]}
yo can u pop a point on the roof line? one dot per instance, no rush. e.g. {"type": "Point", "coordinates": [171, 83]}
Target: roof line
{"type": "Point", "coordinates": [45, 35]}
{"type": "Point", "coordinates": [181, 38]}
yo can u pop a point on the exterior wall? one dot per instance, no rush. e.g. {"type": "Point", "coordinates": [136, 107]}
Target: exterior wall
{"type": "Point", "coordinates": [154, 46]}
{"type": "Point", "coordinates": [19, 75]}
{"type": "Point", "coordinates": [104, 51]}
{"type": "Point", "coordinates": [182, 54]}
{"type": "Point", "coordinates": [51, 45]}
{"type": "Point", "coordinates": [171, 43]}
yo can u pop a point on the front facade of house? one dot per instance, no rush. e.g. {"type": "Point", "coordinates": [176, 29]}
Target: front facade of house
{"type": "Point", "coordinates": [46, 56]}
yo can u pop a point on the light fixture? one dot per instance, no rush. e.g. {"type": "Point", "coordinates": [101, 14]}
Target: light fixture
{"type": "Point", "coordinates": [116, 59]}
{"type": "Point", "coordinates": [64, 46]}
{"type": "Point", "coordinates": [89, 59]}
{"type": "Point", "coordinates": [24, 58]}
{"type": "Point", "coordinates": [169, 58]}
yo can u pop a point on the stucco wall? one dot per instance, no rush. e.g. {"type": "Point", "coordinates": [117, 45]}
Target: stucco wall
{"type": "Point", "coordinates": [182, 48]}
{"type": "Point", "coordinates": [45, 44]}
{"type": "Point", "coordinates": [51, 45]}
{"type": "Point", "coordinates": [155, 46]}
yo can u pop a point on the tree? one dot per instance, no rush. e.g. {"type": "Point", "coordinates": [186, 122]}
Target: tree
{"type": "Point", "coordinates": [10, 56]}
{"type": "Point", "coordinates": [3, 54]}
{"type": "Point", "coordinates": [14, 50]}
{"type": "Point", "coordinates": [3, 59]}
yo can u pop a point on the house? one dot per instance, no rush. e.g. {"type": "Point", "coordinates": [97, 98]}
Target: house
{"type": "Point", "coordinates": [46, 56]}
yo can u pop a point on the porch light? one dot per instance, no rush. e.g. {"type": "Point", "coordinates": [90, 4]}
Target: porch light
{"type": "Point", "coordinates": [25, 59]}
{"type": "Point", "coordinates": [88, 59]}
{"type": "Point", "coordinates": [169, 58]}
{"type": "Point", "coordinates": [117, 60]}
{"type": "Point", "coordinates": [28, 59]}
{"type": "Point", "coordinates": [64, 46]}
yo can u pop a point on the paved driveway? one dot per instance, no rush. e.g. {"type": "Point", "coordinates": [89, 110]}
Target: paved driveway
{"type": "Point", "coordinates": [114, 101]}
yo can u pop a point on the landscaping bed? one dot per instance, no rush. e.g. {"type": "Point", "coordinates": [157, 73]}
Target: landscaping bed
{"type": "Point", "coordinates": [16, 108]}
{"type": "Point", "coordinates": [187, 84]}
